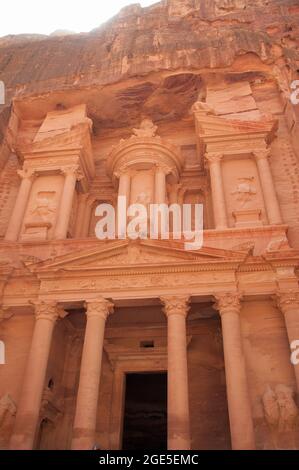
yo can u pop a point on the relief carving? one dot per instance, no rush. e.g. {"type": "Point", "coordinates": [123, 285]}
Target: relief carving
{"type": "Point", "coordinates": [245, 191]}
{"type": "Point", "coordinates": [281, 414]}
{"type": "Point", "coordinates": [44, 207]}
{"type": "Point", "coordinates": [278, 244]}
{"type": "Point", "coordinates": [8, 411]}
{"type": "Point", "coordinates": [41, 216]}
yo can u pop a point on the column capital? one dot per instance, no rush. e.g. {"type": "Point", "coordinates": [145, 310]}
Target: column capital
{"type": "Point", "coordinates": [99, 307]}
{"type": "Point", "coordinates": [287, 300]}
{"type": "Point", "coordinates": [163, 168]}
{"type": "Point", "coordinates": [47, 311]}
{"type": "Point", "coordinates": [72, 170]}
{"type": "Point", "coordinates": [27, 173]}
{"type": "Point", "coordinates": [262, 154]}
{"type": "Point", "coordinates": [175, 305]}
{"type": "Point", "coordinates": [123, 170]}
{"type": "Point", "coordinates": [213, 157]}
{"type": "Point", "coordinates": [228, 302]}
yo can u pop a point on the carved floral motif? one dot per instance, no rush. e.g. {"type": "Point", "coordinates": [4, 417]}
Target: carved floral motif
{"type": "Point", "coordinates": [46, 311]}
{"type": "Point", "coordinates": [175, 304]}
{"type": "Point", "coordinates": [99, 307]}
{"type": "Point", "coordinates": [229, 302]}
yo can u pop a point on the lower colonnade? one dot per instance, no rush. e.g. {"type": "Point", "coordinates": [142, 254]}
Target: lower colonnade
{"type": "Point", "coordinates": [175, 308]}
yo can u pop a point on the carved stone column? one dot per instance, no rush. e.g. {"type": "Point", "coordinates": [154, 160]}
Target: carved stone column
{"type": "Point", "coordinates": [268, 188]}
{"type": "Point", "coordinates": [17, 216]}
{"type": "Point", "coordinates": [176, 309]}
{"type": "Point", "coordinates": [80, 220]}
{"type": "Point", "coordinates": [288, 303]}
{"type": "Point", "coordinates": [239, 407]}
{"type": "Point", "coordinates": [219, 206]}
{"type": "Point", "coordinates": [71, 175]}
{"type": "Point", "coordinates": [160, 184]}
{"type": "Point", "coordinates": [173, 193]}
{"type": "Point", "coordinates": [87, 217]}
{"type": "Point", "coordinates": [46, 314]}
{"type": "Point", "coordinates": [90, 372]}
{"type": "Point", "coordinates": [124, 187]}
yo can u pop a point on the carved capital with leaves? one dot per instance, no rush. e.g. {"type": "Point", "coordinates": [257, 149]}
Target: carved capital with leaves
{"type": "Point", "coordinates": [228, 302]}
{"type": "Point", "coordinates": [175, 305]}
{"type": "Point", "coordinates": [99, 307]}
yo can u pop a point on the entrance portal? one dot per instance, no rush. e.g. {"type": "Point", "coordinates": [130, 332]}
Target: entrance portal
{"type": "Point", "coordinates": [145, 416]}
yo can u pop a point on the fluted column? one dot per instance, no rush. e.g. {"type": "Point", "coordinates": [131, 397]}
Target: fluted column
{"type": "Point", "coordinates": [239, 406]}
{"type": "Point", "coordinates": [71, 175]}
{"type": "Point", "coordinates": [29, 404]}
{"type": "Point", "coordinates": [176, 309]}
{"type": "Point", "coordinates": [268, 188]}
{"type": "Point", "coordinates": [288, 303]}
{"type": "Point", "coordinates": [17, 216]}
{"type": "Point", "coordinates": [218, 196]}
{"type": "Point", "coordinates": [80, 220]}
{"type": "Point", "coordinates": [87, 398]}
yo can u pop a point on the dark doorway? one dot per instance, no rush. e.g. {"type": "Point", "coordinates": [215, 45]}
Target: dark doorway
{"type": "Point", "coordinates": [145, 417]}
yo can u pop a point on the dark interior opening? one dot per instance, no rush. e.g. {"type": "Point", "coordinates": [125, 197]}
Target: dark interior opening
{"type": "Point", "coordinates": [145, 416]}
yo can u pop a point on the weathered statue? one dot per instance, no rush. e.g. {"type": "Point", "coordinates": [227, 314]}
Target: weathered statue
{"type": "Point", "coordinates": [147, 129]}
{"type": "Point", "coordinates": [281, 414]}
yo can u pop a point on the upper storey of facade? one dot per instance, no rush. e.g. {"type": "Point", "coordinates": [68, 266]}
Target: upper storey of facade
{"type": "Point", "coordinates": [222, 133]}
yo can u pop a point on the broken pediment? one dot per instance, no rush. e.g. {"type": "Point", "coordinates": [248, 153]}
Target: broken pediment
{"type": "Point", "coordinates": [143, 253]}
{"type": "Point", "coordinates": [211, 124]}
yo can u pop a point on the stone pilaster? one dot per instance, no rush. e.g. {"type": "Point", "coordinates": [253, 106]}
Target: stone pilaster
{"type": "Point", "coordinates": [17, 216]}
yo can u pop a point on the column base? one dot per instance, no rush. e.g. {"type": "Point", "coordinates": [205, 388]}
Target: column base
{"type": "Point", "coordinates": [83, 439]}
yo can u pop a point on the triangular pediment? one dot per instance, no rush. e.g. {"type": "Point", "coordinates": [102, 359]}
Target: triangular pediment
{"type": "Point", "coordinates": [120, 254]}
